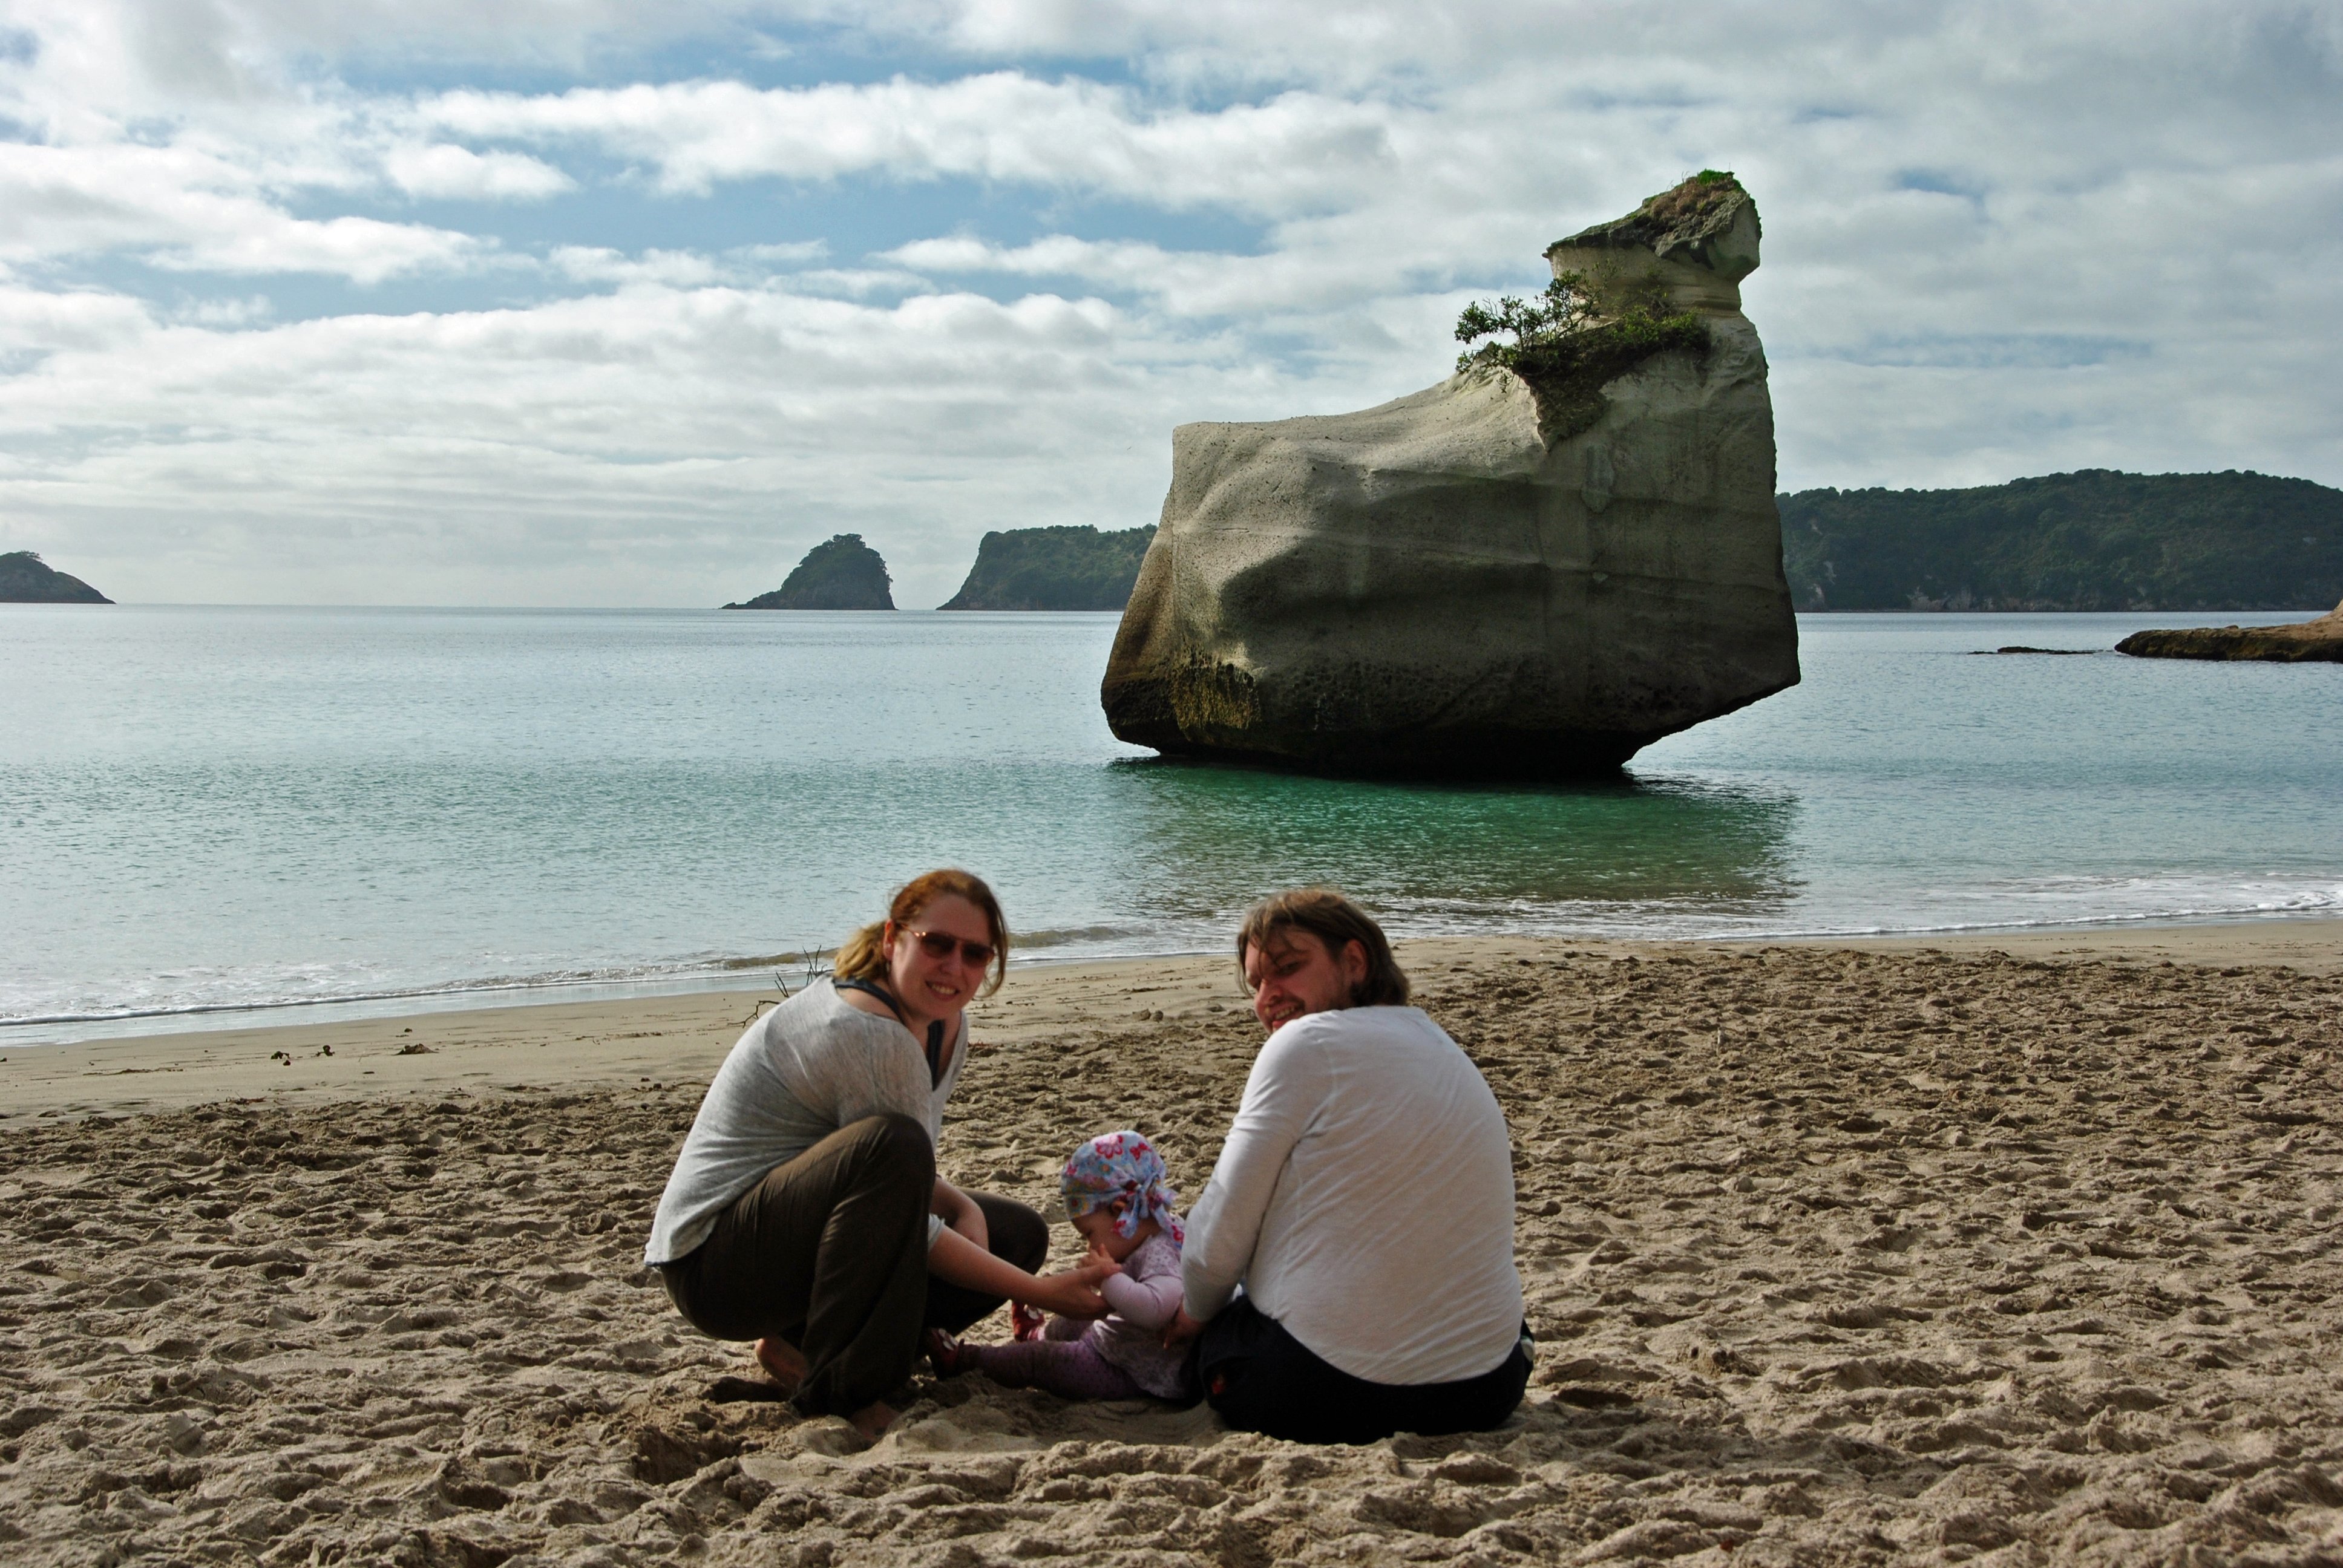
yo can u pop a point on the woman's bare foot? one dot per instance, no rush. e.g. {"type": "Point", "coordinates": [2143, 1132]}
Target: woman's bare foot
{"type": "Point", "coordinates": [872, 1420]}
{"type": "Point", "coordinates": [783, 1363]}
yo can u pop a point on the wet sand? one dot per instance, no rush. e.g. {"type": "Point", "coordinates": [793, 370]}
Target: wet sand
{"type": "Point", "coordinates": [1835, 1255]}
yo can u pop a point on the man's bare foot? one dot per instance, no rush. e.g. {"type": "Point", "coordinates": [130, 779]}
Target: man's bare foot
{"type": "Point", "coordinates": [783, 1363]}
{"type": "Point", "coordinates": [872, 1420]}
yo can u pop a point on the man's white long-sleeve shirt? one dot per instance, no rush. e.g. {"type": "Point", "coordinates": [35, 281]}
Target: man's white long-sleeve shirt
{"type": "Point", "coordinates": [1365, 1199]}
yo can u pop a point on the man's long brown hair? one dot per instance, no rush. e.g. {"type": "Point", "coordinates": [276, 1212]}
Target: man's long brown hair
{"type": "Point", "coordinates": [1334, 921]}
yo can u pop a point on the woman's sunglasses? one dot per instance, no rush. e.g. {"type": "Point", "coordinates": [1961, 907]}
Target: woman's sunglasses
{"type": "Point", "coordinates": [940, 945]}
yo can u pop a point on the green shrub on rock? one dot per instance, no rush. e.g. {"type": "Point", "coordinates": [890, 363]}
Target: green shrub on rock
{"type": "Point", "coordinates": [1582, 332]}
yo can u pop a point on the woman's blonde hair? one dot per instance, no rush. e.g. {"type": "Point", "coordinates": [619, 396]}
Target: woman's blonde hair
{"type": "Point", "coordinates": [863, 955]}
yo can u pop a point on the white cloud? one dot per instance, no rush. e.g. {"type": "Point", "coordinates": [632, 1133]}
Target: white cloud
{"type": "Point", "coordinates": [747, 266]}
{"type": "Point", "coordinates": [791, 253]}
{"type": "Point", "coordinates": [362, 249]}
{"type": "Point", "coordinates": [1297, 151]}
{"type": "Point", "coordinates": [708, 433]}
{"type": "Point", "coordinates": [1304, 274]}
{"type": "Point", "coordinates": [250, 311]}
{"type": "Point", "coordinates": [445, 169]}
{"type": "Point", "coordinates": [192, 210]}
{"type": "Point", "coordinates": [2001, 239]}
{"type": "Point", "coordinates": [597, 263]}
{"type": "Point", "coordinates": [36, 322]}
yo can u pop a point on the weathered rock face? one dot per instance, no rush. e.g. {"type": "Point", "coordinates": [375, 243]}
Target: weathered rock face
{"type": "Point", "coordinates": [2305, 641]}
{"type": "Point", "coordinates": [1489, 578]}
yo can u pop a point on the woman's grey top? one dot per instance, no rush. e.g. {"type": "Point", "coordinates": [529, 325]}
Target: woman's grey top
{"type": "Point", "coordinates": [812, 1065]}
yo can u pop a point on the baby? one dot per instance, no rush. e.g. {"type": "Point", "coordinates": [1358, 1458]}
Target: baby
{"type": "Point", "coordinates": [1118, 1199]}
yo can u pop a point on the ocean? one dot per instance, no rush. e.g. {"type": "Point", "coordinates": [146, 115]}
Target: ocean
{"type": "Point", "coordinates": [213, 810]}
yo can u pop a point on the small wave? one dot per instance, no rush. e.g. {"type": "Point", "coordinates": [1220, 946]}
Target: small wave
{"type": "Point", "coordinates": [1995, 927]}
{"type": "Point", "coordinates": [2181, 902]}
{"type": "Point", "coordinates": [627, 974]}
{"type": "Point", "coordinates": [2050, 904]}
{"type": "Point", "coordinates": [1071, 936]}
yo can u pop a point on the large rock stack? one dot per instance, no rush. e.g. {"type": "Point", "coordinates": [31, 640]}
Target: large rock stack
{"type": "Point", "coordinates": [1526, 572]}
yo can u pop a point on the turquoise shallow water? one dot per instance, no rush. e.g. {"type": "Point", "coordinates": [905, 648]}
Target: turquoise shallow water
{"type": "Point", "coordinates": [218, 807]}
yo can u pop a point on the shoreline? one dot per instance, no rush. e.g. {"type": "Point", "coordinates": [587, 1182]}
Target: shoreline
{"type": "Point", "coordinates": [2128, 933]}
{"type": "Point", "coordinates": [666, 1039]}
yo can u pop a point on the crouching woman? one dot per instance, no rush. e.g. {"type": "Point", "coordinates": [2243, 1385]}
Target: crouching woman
{"type": "Point", "coordinates": [805, 1212]}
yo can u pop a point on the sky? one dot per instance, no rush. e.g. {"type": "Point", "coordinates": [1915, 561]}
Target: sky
{"type": "Point", "coordinates": [605, 302]}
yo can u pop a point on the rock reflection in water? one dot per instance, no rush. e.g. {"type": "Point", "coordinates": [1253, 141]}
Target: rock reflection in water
{"type": "Point", "coordinates": [1613, 857]}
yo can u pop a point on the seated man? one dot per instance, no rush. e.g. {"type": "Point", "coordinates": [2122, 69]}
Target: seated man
{"type": "Point", "coordinates": [1364, 1200]}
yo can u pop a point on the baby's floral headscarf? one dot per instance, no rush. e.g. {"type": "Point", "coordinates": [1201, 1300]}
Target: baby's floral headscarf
{"type": "Point", "coordinates": [1123, 1165]}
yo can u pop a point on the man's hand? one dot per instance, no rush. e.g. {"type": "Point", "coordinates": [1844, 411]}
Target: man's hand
{"type": "Point", "coordinates": [1181, 1329]}
{"type": "Point", "coordinates": [960, 1212]}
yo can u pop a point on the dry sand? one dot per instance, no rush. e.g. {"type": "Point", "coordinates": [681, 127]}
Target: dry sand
{"type": "Point", "coordinates": [1834, 1256]}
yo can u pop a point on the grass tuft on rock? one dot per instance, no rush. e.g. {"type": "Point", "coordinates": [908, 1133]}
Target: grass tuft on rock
{"type": "Point", "coordinates": [1570, 341]}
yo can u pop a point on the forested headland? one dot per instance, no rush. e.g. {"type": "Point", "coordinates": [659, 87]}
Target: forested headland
{"type": "Point", "coordinates": [1075, 567]}
{"type": "Point", "coordinates": [2090, 540]}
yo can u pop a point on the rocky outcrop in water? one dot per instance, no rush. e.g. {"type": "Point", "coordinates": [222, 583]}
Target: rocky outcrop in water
{"type": "Point", "coordinates": [1054, 568]}
{"type": "Point", "coordinates": [2305, 641]}
{"type": "Point", "coordinates": [840, 573]}
{"type": "Point", "coordinates": [26, 578]}
{"type": "Point", "coordinates": [1526, 571]}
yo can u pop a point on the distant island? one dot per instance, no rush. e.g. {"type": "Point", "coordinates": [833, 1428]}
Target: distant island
{"type": "Point", "coordinates": [2091, 540]}
{"type": "Point", "coordinates": [1073, 567]}
{"type": "Point", "coordinates": [26, 578]}
{"type": "Point", "coordinates": [840, 573]}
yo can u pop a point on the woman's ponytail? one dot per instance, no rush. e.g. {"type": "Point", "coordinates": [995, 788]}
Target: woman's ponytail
{"type": "Point", "coordinates": [863, 955]}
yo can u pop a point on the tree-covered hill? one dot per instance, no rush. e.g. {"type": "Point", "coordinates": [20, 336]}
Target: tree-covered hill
{"type": "Point", "coordinates": [840, 573]}
{"type": "Point", "coordinates": [2093, 540]}
{"type": "Point", "coordinates": [26, 578]}
{"type": "Point", "coordinates": [1053, 568]}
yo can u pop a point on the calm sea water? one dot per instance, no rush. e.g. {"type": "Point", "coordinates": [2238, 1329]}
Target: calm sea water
{"type": "Point", "coordinates": [216, 807]}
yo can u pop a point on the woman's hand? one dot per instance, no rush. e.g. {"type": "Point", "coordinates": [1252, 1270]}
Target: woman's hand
{"type": "Point", "coordinates": [1075, 1292]}
{"type": "Point", "coordinates": [960, 1212]}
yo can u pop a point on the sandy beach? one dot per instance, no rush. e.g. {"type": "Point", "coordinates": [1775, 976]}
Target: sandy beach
{"type": "Point", "coordinates": [1995, 1249]}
